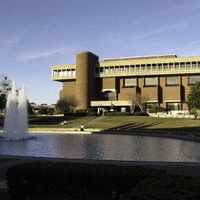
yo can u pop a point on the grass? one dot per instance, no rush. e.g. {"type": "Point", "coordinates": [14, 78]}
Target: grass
{"type": "Point", "coordinates": [143, 121]}
{"type": "Point", "coordinates": [113, 123]}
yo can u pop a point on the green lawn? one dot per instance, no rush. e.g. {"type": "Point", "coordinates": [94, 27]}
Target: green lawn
{"type": "Point", "coordinates": [120, 123]}
{"type": "Point", "coordinates": [145, 122]}
{"type": "Point", "coordinates": [114, 122]}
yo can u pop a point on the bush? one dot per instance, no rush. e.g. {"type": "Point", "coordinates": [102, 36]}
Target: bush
{"type": "Point", "coordinates": [156, 109]}
{"type": "Point", "coordinates": [195, 112]}
{"type": "Point", "coordinates": [3, 100]}
{"type": "Point", "coordinates": [139, 114]}
{"type": "Point", "coordinates": [92, 112]}
{"type": "Point", "coordinates": [193, 99]}
{"type": "Point", "coordinates": [81, 112]}
{"type": "Point", "coordinates": [86, 112]}
{"type": "Point", "coordinates": [117, 113]}
{"type": "Point", "coordinates": [66, 105]}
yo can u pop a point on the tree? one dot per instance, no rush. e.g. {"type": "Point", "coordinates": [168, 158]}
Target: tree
{"type": "Point", "coordinates": [138, 101]}
{"type": "Point", "coordinates": [30, 108]}
{"type": "Point", "coordinates": [2, 101]}
{"type": "Point", "coordinates": [66, 105]}
{"type": "Point", "coordinates": [193, 99]}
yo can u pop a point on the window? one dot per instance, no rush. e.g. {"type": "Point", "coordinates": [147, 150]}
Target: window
{"type": "Point", "coordinates": [165, 65]}
{"type": "Point", "coordinates": [112, 69]}
{"type": "Point", "coordinates": [130, 82]}
{"type": "Point", "coordinates": [108, 96]}
{"type": "Point", "coordinates": [176, 65]}
{"type": "Point", "coordinates": [173, 106]}
{"type": "Point", "coordinates": [73, 72]}
{"type": "Point", "coordinates": [194, 64]}
{"type": "Point", "coordinates": [121, 68]}
{"type": "Point", "coordinates": [152, 107]}
{"type": "Point", "coordinates": [188, 64]}
{"type": "Point", "coordinates": [64, 72]}
{"type": "Point", "coordinates": [106, 70]}
{"type": "Point", "coordinates": [132, 66]}
{"type": "Point", "coordinates": [68, 72]}
{"type": "Point", "coordinates": [172, 80]}
{"type": "Point", "coordinates": [150, 81]}
{"type": "Point", "coordinates": [182, 64]}
{"type": "Point", "coordinates": [193, 79]}
{"type": "Point", "coordinates": [117, 69]}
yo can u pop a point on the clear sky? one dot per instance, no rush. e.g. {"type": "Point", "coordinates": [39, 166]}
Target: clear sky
{"type": "Point", "coordinates": [35, 34]}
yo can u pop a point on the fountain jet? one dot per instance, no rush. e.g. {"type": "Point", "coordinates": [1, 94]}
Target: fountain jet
{"type": "Point", "coordinates": [16, 120]}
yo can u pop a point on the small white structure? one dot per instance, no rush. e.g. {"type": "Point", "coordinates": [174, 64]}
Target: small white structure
{"type": "Point", "coordinates": [5, 85]}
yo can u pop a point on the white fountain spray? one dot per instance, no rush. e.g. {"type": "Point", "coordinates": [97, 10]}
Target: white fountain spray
{"type": "Point", "coordinates": [22, 113]}
{"type": "Point", "coordinates": [16, 123]}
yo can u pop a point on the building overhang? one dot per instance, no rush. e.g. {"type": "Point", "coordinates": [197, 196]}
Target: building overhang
{"type": "Point", "coordinates": [173, 101]}
{"type": "Point", "coordinates": [110, 103]}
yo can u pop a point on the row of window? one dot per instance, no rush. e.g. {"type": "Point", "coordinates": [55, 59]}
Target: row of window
{"type": "Point", "coordinates": [170, 106]}
{"type": "Point", "coordinates": [113, 69]}
{"type": "Point", "coordinates": [153, 81]}
{"type": "Point", "coordinates": [68, 72]}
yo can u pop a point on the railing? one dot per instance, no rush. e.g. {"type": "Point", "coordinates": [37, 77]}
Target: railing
{"type": "Point", "coordinates": [131, 71]}
{"type": "Point", "coordinates": [62, 77]}
{"type": "Point", "coordinates": [145, 71]}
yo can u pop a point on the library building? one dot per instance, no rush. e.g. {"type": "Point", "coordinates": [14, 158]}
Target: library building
{"type": "Point", "coordinates": [161, 81]}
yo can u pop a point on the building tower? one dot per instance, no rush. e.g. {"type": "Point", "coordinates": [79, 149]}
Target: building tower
{"type": "Point", "coordinates": [86, 63]}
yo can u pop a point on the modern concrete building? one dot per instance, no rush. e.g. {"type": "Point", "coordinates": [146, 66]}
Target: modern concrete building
{"type": "Point", "coordinates": [160, 80]}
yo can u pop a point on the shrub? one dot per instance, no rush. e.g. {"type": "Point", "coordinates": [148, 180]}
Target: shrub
{"type": "Point", "coordinates": [155, 109]}
{"type": "Point", "coordinates": [193, 99]}
{"type": "Point", "coordinates": [117, 114]}
{"type": "Point", "coordinates": [66, 105]}
{"type": "Point", "coordinates": [140, 114]}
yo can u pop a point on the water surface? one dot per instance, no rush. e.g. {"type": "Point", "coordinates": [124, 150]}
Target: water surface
{"type": "Point", "coordinates": [104, 147]}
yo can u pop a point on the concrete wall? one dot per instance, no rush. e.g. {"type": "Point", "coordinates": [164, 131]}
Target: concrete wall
{"type": "Point", "coordinates": [108, 83]}
{"type": "Point", "coordinates": [68, 89]}
{"type": "Point", "coordinates": [86, 63]}
{"type": "Point", "coordinates": [185, 91]}
{"type": "Point", "coordinates": [126, 93]}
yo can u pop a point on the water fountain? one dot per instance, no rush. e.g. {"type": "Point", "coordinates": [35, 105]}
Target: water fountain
{"type": "Point", "coordinates": [16, 123]}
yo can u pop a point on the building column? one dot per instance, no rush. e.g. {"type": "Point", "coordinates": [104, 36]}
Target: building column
{"type": "Point", "coordinates": [86, 63]}
{"type": "Point", "coordinates": [185, 91]}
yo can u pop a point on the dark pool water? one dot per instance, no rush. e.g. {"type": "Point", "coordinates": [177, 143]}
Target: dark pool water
{"type": "Point", "coordinates": [104, 147]}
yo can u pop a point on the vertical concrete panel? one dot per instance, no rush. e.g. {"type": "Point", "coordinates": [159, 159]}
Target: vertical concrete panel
{"type": "Point", "coordinates": [162, 88]}
{"type": "Point", "coordinates": [68, 89]}
{"type": "Point", "coordinates": [108, 83]}
{"type": "Point", "coordinates": [86, 62]}
{"type": "Point", "coordinates": [185, 91]}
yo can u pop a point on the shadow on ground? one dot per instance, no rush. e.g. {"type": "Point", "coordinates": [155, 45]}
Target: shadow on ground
{"type": "Point", "coordinates": [84, 181]}
{"type": "Point", "coordinates": [146, 129]}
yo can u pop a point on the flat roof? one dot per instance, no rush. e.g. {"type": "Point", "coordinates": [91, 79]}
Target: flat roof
{"type": "Point", "coordinates": [141, 57]}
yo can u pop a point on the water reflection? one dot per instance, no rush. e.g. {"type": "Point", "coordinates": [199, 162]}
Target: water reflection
{"type": "Point", "coordinates": [106, 147]}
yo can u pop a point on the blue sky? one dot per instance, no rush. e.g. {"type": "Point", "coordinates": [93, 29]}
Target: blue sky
{"type": "Point", "coordinates": [35, 34]}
